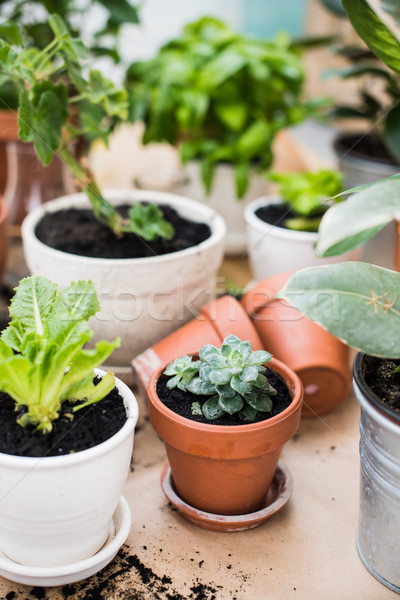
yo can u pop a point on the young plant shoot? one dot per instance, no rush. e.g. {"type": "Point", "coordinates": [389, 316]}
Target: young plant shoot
{"type": "Point", "coordinates": [58, 103]}
{"type": "Point", "coordinates": [42, 360]}
{"type": "Point", "coordinates": [231, 378]}
{"type": "Point", "coordinates": [306, 194]}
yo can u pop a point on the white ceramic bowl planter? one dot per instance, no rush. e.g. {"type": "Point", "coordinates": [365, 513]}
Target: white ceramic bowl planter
{"type": "Point", "coordinates": [223, 199]}
{"type": "Point", "coordinates": [142, 299]}
{"type": "Point", "coordinates": [57, 510]}
{"type": "Point", "coordinates": [274, 250]}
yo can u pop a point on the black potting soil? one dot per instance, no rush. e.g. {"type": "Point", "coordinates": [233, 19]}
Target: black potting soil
{"type": "Point", "coordinates": [379, 376]}
{"type": "Point", "coordinates": [367, 146]}
{"type": "Point", "coordinates": [89, 427]}
{"type": "Point", "coordinates": [275, 214]}
{"type": "Point", "coordinates": [76, 231]}
{"type": "Point", "coordinates": [181, 402]}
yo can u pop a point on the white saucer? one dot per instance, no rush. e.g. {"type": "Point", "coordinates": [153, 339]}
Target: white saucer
{"type": "Point", "coordinates": [51, 576]}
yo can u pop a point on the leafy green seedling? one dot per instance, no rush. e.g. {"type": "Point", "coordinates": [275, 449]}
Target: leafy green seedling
{"type": "Point", "coordinates": [42, 360]}
{"type": "Point", "coordinates": [231, 377]}
{"type": "Point", "coordinates": [307, 194]}
{"type": "Point", "coordinates": [147, 221]}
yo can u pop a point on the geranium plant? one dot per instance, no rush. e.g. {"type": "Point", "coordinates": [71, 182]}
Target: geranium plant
{"type": "Point", "coordinates": [220, 96]}
{"type": "Point", "coordinates": [230, 379]}
{"type": "Point", "coordinates": [53, 86]}
{"type": "Point", "coordinates": [42, 359]}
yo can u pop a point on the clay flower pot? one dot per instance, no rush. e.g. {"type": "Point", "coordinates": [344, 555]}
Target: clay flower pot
{"type": "Point", "coordinates": [225, 470]}
{"type": "Point", "coordinates": [215, 321]}
{"type": "Point", "coordinates": [8, 125]}
{"type": "Point", "coordinates": [3, 236]}
{"type": "Point", "coordinates": [319, 359]}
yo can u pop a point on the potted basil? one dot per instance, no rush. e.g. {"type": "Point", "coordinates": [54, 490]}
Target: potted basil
{"type": "Point", "coordinates": [67, 434]}
{"type": "Point", "coordinates": [135, 256]}
{"type": "Point", "coordinates": [221, 97]}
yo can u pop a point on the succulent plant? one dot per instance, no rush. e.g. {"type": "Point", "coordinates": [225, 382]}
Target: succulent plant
{"type": "Point", "coordinates": [233, 378]}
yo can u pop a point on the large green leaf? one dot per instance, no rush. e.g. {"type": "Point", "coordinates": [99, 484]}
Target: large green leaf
{"type": "Point", "coordinates": [32, 303]}
{"type": "Point", "coordinates": [349, 224]}
{"type": "Point", "coordinates": [378, 23]}
{"type": "Point", "coordinates": [359, 303]}
{"type": "Point", "coordinates": [391, 132]}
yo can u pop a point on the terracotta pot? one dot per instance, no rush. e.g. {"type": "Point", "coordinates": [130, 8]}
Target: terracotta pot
{"type": "Point", "coordinates": [215, 321]}
{"type": "Point", "coordinates": [3, 236]}
{"type": "Point", "coordinates": [319, 359]}
{"type": "Point", "coordinates": [220, 469]}
{"type": "Point", "coordinates": [8, 125]}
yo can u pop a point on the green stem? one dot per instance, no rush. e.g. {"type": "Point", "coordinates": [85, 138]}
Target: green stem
{"type": "Point", "coordinates": [103, 210]}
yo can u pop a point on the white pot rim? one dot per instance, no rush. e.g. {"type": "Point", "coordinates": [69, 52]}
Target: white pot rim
{"type": "Point", "coordinates": [67, 460]}
{"type": "Point", "coordinates": [253, 221]}
{"type": "Point", "coordinates": [197, 212]}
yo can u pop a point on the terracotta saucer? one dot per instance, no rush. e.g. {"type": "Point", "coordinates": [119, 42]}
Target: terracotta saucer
{"type": "Point", "coordinates": [276, 498]}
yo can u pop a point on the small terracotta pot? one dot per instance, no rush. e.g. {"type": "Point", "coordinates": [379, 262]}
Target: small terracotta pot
{"type": "Point", "coordinates": [8, 125]}
{"type": "Point", "coordinates": [319, 359]}
{"type": "Point", "coordinates": [221, 469]}
{"type": "Point", "coordinates": [3, 236]}
{"type": "Point", "coordinates": [215, 321]}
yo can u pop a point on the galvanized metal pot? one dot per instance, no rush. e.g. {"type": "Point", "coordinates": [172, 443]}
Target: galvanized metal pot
{"type": "Point", "coordinates": [378, 539]}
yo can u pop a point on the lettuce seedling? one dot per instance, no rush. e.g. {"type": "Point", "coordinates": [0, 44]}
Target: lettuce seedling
{"type": "Point", "coordinates": [232, 377]}
{"type": "Point", "coordinates": [42, 360]}
{"type": "Point", "coordinates": [146, 220]}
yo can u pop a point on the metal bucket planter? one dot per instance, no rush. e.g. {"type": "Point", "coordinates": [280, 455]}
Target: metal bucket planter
{"type": "Point", "coordinates": [378, 540]}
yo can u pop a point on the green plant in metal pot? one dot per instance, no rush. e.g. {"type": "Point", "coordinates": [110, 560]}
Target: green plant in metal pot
{"type": "Point", "coordinates": [230, 379]}
{"type": "Point", "coordinates": [220, 96]}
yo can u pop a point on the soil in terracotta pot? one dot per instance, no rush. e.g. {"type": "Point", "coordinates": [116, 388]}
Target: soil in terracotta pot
{"type": "Point", "coordinates": [181, 402]}
{"type": "Point", "coordinates": [89, 427]}
{"type": "Point", "coordinates": [76, 231]}
{"type": "Point", "coordinates": [367, 146]}
{"type": "Point", "coordinates": [276, 214]}
{"type": "Point", "coordinates": [379, 376]}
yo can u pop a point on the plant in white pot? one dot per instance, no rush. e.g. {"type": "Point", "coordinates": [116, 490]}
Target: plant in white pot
{"type": "Point", "coordinates": [282, 228]}
{"type": "Point", "coordinates": [66, 441]}
{"type": "Point", "coordinates": [221, 97]}
{"type": "Point", "coordinates": [144, 296]}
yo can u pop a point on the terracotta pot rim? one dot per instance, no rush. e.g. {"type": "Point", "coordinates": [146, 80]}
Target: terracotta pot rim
{"type": "Point", "coordinates": [255, 222]}
{"type": "Point", "coordinates": [211, 217]}
{"type": "Point", "coordinates": [3, 209]}
{"type": "Point", "coordinates": [279, 367]}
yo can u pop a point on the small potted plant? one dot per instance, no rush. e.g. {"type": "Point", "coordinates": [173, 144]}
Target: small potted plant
{"type": "Point", "coordinates": [224, 418]}
{"type": "Point", "coordinates": [282, 229]}
{"type": "Point", "coordinates": [221, 97]}
{"type": "Point", "coordinates": [142, 293]}
{"type": "Point", "coordinates": [67, 434]}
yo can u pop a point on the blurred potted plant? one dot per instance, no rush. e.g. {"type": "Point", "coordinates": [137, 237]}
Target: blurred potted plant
{"type": "Point", "coordinates": [221, 98]}
{"type": "Point", "coordinates": [282, 229]}
{"type": "Point", "coordinates": [119, 252]}
{"type": "Point", "coordinates": [29, 183]}
{"type": "Point", "coordinates": [81, 428]}
{"type": "Point", "coordinates": [224, 424]}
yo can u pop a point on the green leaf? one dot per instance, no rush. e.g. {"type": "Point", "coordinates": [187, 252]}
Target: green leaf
{"type": "Point", "coordinates": [249, 374]}
{"type": "Point", "coordinates": [242, 176]}
{"type": "Point", "coordinates": [261, 403]}
{"type": "Point", "coordinates": [247, 413]}
{"type": "Point", "coordinates": [201, 388]}
{"type": "Point", "coordinates": [231, 405]}
{"type": "Point", "coordinates": [254, 140]}
{"type": "Point", "coordinates": [378, 26]}
{"type": "Point", "coordinates": [349, 224]}
{"type": "Point", "coordinates": [359, 303]}
{"type": "Point", "coordinates": [233, 114]}
{"type": "Point", "coordinates": [32, 304]}
{"type": "Point", "coordinates": [211, 409]}
{"type": "Point", "coordinates": [10, 33]}
{"type": "Point", "coordinates": [147, 221]}
{"type": "Point", "coordinates": [121, 11]}
{"type": "Point", "coordinates": [259, 357]}
{"type": "Point", "coordinates": [391, 132]}
{"type": "Point", "coordinates": [223, 66]}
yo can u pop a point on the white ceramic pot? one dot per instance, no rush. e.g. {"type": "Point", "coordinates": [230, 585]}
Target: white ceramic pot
{"type": "Point", "coordinates": [274, 250]}
{"type": "Point", "coordinates": [142, 299]}
{"type": "Point", "coordinates": [223, 199]}
{"type": "Point", "coordinates": [58, 510]}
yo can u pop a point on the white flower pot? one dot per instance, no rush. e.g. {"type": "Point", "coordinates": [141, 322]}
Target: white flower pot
{"type": "Point", "coordinates": [142, 299]}
{"type": "Point", "coordinates": [274, 250]}
{"type": "Point", "coordinates": [223, 199]}
{"type": "Point", "coordinates": [58, 510]}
